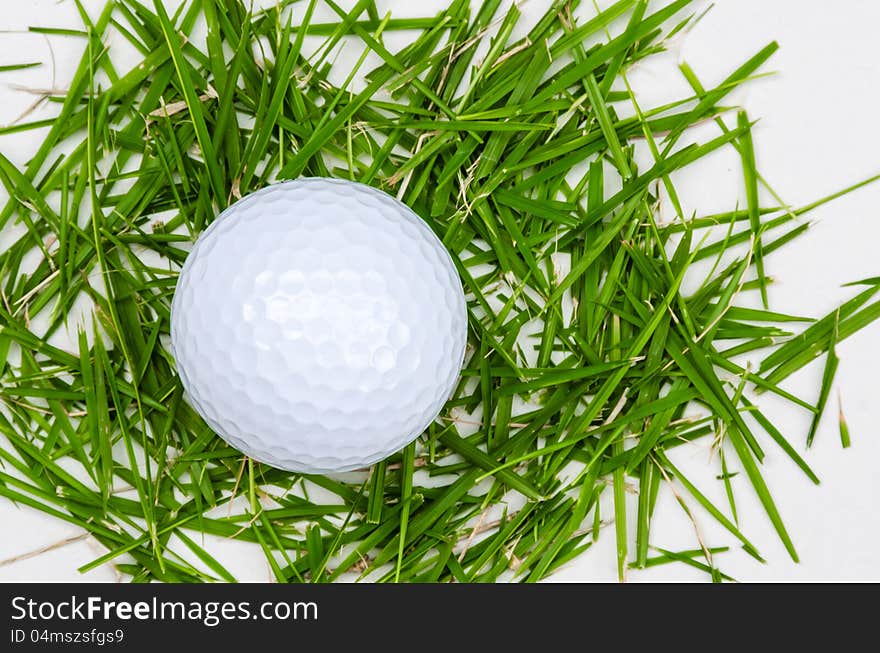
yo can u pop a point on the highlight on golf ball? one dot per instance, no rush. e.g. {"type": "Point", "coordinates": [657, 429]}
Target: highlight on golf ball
{"type": "Point", "coordinates": [318, 325]}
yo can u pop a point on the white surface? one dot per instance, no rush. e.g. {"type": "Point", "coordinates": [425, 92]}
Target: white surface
{"type": "Point", "coordinates": [319, 325]}
{"type": "Point", "coordinates": [817, 134]}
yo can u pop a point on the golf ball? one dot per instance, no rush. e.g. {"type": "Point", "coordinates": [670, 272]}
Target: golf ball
{"type": "Point", "coordinates": [318, 325]}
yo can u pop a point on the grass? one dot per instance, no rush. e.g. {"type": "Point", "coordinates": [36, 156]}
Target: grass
{"type": "Point", "coordinates": [585, 354]}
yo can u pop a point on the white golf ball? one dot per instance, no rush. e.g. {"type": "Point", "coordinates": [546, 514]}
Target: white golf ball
{"type": "Point", "coordinates": [318, 325]}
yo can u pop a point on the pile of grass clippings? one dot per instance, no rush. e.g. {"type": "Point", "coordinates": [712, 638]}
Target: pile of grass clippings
{"type": "Point", "coordinates": [585, 356]}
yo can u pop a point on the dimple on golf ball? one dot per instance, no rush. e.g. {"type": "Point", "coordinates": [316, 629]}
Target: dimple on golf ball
{"type": "Point", "coordinates": [318, 325]}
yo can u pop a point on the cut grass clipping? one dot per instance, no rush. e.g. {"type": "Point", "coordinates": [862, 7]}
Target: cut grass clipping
{"type": "Point", "coordinates": [587, 362]}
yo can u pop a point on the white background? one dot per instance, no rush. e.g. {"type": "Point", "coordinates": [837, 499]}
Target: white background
{"type": "Point", "coordinates": [818, 133]}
